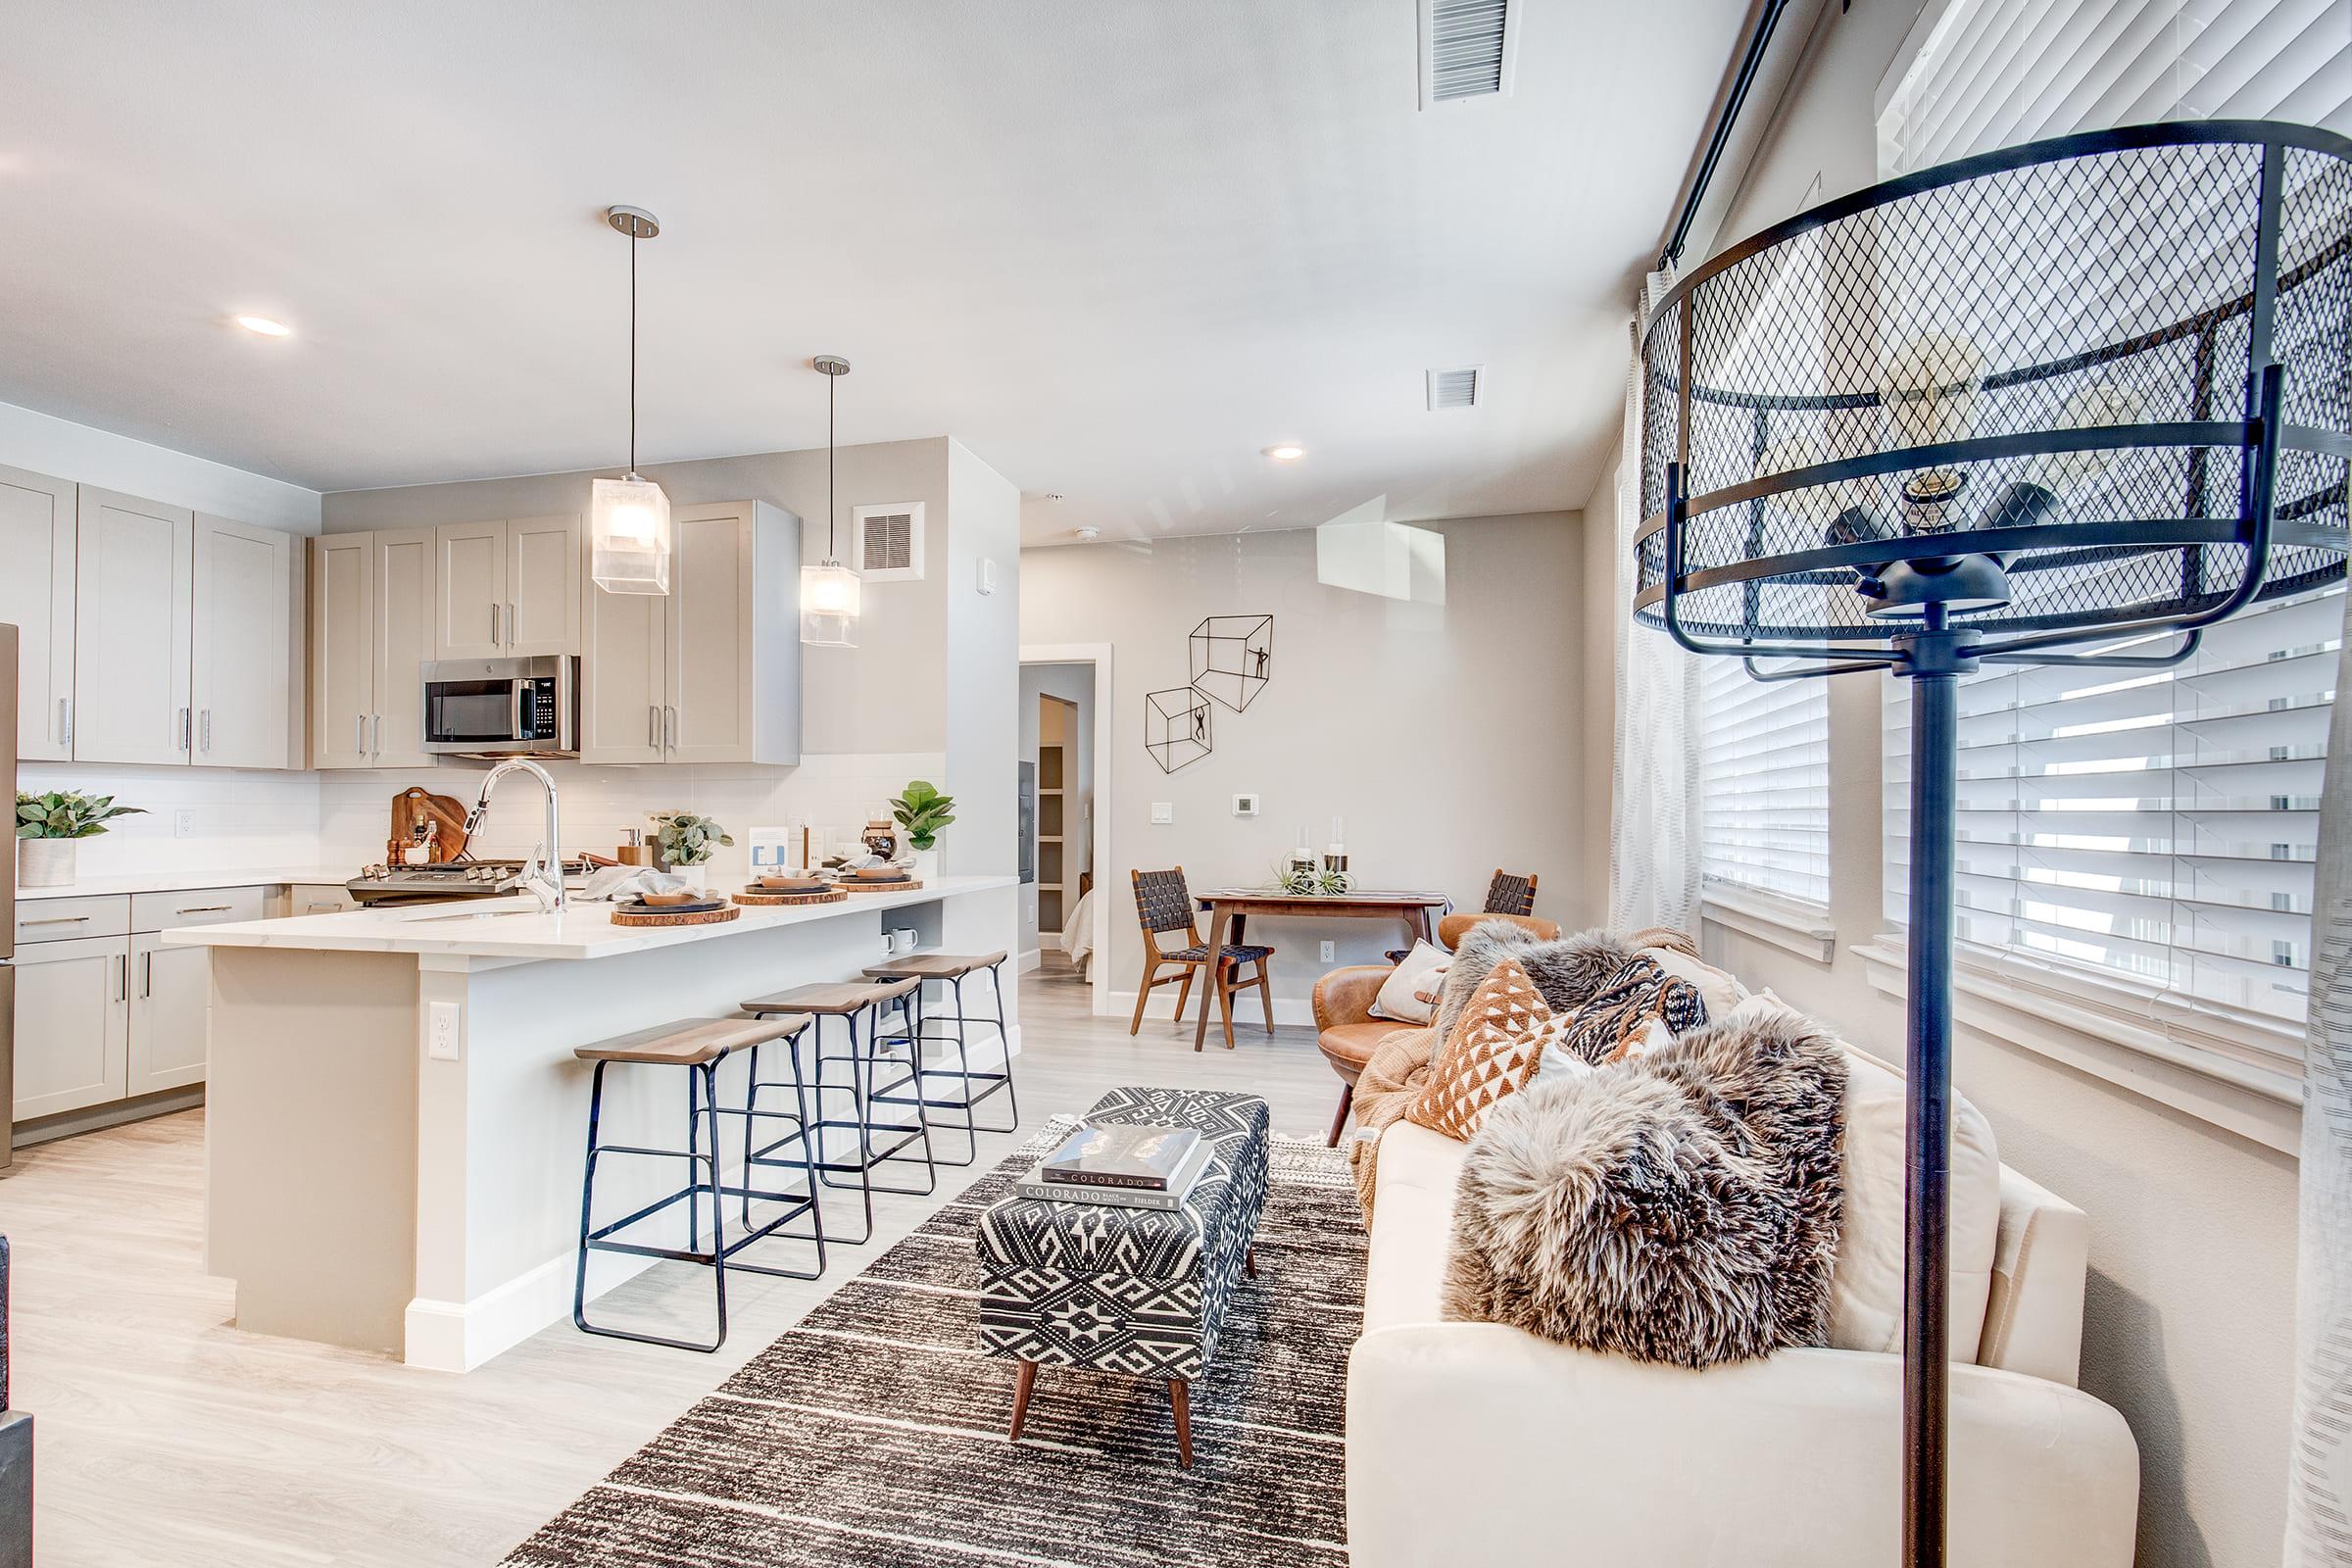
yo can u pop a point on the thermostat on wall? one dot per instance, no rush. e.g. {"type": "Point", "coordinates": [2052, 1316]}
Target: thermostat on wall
{"type": "Point", "coordinates": [1245, 806]}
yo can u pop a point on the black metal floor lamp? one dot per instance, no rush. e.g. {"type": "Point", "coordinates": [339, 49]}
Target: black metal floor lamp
{"type": "Point", "coordinates": [2077, 395]}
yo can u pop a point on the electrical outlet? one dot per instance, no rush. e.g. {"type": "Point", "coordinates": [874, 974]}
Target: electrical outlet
{"type": "Point", "coordinates": [1164, 811]}
{"type": "Point", "coordinates": [183, 823]}
{"type": "Point", "coordinates": [441, 1031]}
{"type": "Point", "coordinates": [1331, 952]}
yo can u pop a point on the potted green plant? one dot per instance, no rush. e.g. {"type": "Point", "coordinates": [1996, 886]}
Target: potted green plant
{"type": "Point", "coordinates": [686, 841]}
{"type": "Point", "coordinates": [47, 826]}
{"type": "Point", "coordinates": [920, 812]}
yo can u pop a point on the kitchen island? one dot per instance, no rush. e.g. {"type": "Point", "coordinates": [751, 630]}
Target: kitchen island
{"type": "Point", "coordinates": [396, 1121]}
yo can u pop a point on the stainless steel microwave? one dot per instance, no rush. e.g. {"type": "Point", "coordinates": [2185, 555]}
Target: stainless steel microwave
{"type": "Point", "coordinates": [502, 706]}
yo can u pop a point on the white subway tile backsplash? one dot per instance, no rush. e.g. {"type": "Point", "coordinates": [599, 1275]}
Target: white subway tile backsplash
{"type": "Point", "coordinates": [247, 820]}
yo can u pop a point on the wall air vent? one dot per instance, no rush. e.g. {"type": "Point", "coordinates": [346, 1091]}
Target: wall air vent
{"type": "Point", "coordinates": [888, 542]}
{"type": "Point", "coordinates": [1457, 389]}
{"type": "Point", "coordinates": [1466, 49]}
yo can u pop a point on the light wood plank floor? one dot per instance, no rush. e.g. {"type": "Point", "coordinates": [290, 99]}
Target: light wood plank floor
{"type": "Point", "coordinates": [165, 1436]}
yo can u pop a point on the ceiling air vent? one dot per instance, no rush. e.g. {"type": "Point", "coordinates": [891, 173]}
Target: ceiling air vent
{"type": "Point", "coordinates": [1456, 389]}
{"type": "Point", "coordinates": [1466, 49]}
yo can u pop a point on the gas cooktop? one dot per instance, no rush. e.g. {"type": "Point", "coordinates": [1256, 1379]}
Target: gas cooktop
{"type": "Point", "coordinates": [380, 885]}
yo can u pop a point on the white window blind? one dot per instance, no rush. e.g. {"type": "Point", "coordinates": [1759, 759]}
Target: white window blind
{"type": "Point", "coordinates": [1764, 799]}
{"type": "Point", "coordinates": [2156, 826]}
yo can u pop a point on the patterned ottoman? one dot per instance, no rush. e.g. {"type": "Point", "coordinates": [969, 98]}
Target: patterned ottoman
{"type": "Point", "coordinates": [1138, 1291]}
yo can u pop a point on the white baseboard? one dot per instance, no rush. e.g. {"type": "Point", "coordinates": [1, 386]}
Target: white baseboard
{"type": "Point", "coordinates": [1029, 960]}
{"type": "Point", "coordinates": [460, 1336]}
{"type": "Point", "coordinates": [1245, 1009]}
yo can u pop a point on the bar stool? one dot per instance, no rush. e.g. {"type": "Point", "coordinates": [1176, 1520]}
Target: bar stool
{"type": "Point", "coordinates": [697, 1044]}
{"type": "Point", "coordinates": [868, 1053]}
{"type": "Point", "coordinates": [949, 970]}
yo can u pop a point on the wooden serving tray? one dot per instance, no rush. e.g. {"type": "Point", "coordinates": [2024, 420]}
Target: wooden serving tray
{"type": "Point", "coordinates": [646, 917]}
{"type": "Point", "coordinates": [764, 897]}
{"type": "Point", "coordinates": [852, 885]}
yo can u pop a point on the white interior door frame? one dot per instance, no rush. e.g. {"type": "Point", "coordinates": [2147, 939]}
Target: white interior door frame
{"type": "Point", "coordinates": [1098, 824]}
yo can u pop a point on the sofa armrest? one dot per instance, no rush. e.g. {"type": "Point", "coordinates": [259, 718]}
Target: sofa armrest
{"type": "Point", "coordinates": [1474, 1443]}
{"type": "Point", "coordinates": [2034, 1313]}
{"type": "Point", "coordinates": [1346, 996]}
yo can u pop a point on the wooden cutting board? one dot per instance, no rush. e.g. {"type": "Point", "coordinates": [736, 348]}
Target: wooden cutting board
{"type": "Point", "coordinates": [414, 807]}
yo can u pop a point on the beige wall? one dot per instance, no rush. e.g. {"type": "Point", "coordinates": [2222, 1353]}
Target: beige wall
{"type": "Point", "coordinates": [888, 694]}
{"type": "Point", "coordinates": [1448, 735]}
{"type": "Point", "coordinates": [2188, 1313]}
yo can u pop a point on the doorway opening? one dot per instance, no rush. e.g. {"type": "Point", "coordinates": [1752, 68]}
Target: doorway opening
{"type": "Point", "coordinates": [1064, 811]}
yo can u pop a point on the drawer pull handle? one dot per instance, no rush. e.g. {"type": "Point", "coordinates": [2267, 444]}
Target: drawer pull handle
{"type": "Point", "coordinates": [206, 909]}
{"type": "Point", "coordinates": [57, 919]}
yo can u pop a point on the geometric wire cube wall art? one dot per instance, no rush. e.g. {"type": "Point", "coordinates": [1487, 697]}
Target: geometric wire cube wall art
{"type": "Point", "coordinates": [1176, 727]}
{"type": "Point", "coordinates": [1233, 657]}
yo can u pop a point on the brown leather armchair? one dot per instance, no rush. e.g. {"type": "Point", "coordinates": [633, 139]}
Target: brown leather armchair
{"type": "Point", "coordinates": [1346, 1032]}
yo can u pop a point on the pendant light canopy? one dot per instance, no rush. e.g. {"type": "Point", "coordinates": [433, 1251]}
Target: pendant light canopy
{"type": "Point", "coordinates": [829, 593]}
{"type": "Point", "coordinates": [628, 519]}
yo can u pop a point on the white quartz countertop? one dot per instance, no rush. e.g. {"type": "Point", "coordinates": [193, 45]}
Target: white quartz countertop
{"type": "Point", "coordinates": [90, 887]}
{"type": "Point", "coordinates": [516, 928]}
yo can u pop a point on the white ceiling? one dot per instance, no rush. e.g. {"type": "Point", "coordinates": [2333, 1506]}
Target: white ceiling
{"type": "Point", "coordinates": [1115, 246]}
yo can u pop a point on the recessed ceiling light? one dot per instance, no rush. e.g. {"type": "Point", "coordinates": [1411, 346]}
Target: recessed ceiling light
{"type": "Point", "coordinates": [264, 327]}
{"type": "Point", "coordinates": [1089, 534]}
{"type": "Point", "coordinates": [1286, 452]}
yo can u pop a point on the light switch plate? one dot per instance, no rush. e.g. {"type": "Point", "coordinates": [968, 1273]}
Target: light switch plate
{"type": "Point", "coordinates": [1164, 811]}
{"type": "Point", "coordinates": [441, 1031]}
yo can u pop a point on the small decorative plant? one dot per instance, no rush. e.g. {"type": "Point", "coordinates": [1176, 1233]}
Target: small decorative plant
{"type": "Point", "coordinates": [74, 816]}
{"type": "Point", "coordinates": [1305, 878]}
{"type": "Point", "coordinates": [922, 811]}
{"type": "Point", "coordinates": [688, 839]}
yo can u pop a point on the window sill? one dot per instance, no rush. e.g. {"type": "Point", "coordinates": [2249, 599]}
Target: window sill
{"type": "Point", "coordinates": [2234, 1070]}
{"type": "Point", "coordinates": [1801, 929]}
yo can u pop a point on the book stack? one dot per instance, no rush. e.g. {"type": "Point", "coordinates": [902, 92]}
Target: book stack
{"type": "Point", "coordinates": [1132, 1166]}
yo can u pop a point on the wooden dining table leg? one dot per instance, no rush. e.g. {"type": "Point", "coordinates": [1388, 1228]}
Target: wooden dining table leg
{"type": "Point", "coordinates": [1418, 925]}
{"type": "Point", "coordinates": [1209, 993]}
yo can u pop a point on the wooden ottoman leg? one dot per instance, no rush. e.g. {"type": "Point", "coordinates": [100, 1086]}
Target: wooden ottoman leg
{"type": "Point", "coordinates": [1180, 1395]}
{"type": "Point", "coordinates": [1250, 1261]}
{"type": "Point", "coordinates": [1023, 1380]}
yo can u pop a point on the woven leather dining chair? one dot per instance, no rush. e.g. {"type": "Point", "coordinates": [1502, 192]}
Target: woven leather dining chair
{"type": "Point", "coordinates": [1506, 894]}
{"type": "Point", "coordinates": [1165, 904]}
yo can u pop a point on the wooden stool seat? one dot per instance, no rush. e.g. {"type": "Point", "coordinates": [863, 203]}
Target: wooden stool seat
{"type": "Point", "coordinates": [692, 1042]}
{"type": "Point", "coordinates": [933, 965]}
{"type": "Point", "coordinates": [832, 999]}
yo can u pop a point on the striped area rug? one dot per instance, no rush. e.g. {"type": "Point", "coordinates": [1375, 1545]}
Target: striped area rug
{"type": "Point", "coordinates": [873, 1432]}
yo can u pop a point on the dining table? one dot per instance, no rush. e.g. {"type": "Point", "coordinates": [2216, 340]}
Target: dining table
{"type": "Point", "coordinates": [1230, 908]}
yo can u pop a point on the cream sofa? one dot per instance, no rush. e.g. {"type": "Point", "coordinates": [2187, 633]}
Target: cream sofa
{"type": "Point", "coordinates": [1474, 1443]}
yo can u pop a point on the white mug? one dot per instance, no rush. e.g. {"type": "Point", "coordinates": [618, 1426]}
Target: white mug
{"type": "Point", "coordinates": [901, 941]}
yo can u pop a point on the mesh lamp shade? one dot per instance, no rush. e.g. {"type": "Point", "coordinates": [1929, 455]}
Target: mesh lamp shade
{"type": "Point", "coordinates": [829, 602]}
{"type": "Point", "coordinates": [629, 533]}
{"type": "Point", "coordinates": [2067, 403]}
{"type": "Point", "coordinates": [2052, 358]}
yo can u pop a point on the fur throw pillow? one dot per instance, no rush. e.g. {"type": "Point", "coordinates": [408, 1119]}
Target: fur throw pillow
{"type": "Point", "coordinates": [1680, 1205]}
{"type": "Point", "coordinates": [1566, 973]}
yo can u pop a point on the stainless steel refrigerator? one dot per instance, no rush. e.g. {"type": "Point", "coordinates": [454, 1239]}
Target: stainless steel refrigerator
{"type": "Point", "coordinates": [8, 899]}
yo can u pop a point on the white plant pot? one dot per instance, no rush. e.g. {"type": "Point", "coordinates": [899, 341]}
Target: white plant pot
{"type": "Point", "coordinates": [44, 862]}
{"type": "Point", "coordinates": [926, 865]}
{"type": "Point", "coordinates": [697, 877]}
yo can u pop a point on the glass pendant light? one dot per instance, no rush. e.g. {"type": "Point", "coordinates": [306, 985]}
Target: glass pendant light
{"type": "Point", "coordinates": [628, 519]}
{"type": "Point", "coordinates": [829, 592]}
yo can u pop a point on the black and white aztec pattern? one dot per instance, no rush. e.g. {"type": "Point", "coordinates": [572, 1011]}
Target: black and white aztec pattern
{"type": "Point", "coordinates": [1138, 1291]}
{"type": "Point", "coordinates": [873, 1434]}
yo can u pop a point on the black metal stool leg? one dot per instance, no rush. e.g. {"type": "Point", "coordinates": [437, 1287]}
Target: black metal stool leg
{"type": "Point", "coordinates": [579, 1279]}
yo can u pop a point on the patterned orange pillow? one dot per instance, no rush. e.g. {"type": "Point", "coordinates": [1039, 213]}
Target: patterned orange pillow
{"type": "Point", "coordinates": [1491, 1052]}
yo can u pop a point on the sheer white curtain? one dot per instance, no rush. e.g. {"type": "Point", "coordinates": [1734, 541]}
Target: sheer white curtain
{"type": "Point", "coordinates": [2319, 1521]}
{"type": "Point", "coordinates": [1653, 827]}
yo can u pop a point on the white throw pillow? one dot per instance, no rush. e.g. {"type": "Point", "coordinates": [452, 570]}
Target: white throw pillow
{"type": "Point", "coordinates": [1422, 970]}
{"type": "Point", "coordinates": [1866, 1296]}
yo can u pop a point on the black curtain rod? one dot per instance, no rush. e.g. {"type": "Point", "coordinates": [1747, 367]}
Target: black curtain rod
{"type": "Point", "coordinates": [1720, 137]}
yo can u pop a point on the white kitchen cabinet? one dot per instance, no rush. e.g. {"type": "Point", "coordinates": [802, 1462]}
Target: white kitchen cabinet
{"type": "Point", "coordinates": [710, 673]}
{"type": "Point", "coordinates": [132, 605]}
{"type": "Point", "coordinates": [624, 677]}
{"type": "Point", "coordinates": [73, 1024]}
{"type": "Point", "coordinates": [36, 597]}
{"type": "Point", "coordinates": [371, 634]}
{"type": "Point", "coordinates": [239, 672]}
{"type": "Point", "coordinates": [508, 588]}
{"type": "Point", "coordinates": [319, 898]}
{"type": "Point", "coordinates": [543, 584]}
{"type": "Point", "coordinates": [171, 1001]}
